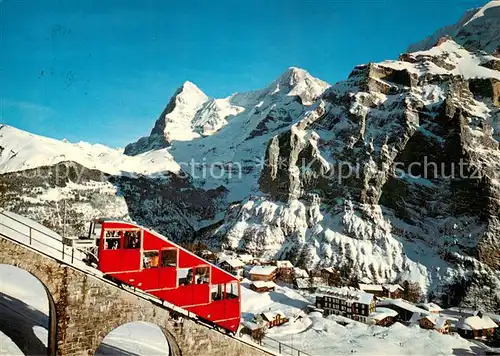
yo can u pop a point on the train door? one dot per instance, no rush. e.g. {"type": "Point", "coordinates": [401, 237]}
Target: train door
{"type": "Point", "coordinates": [232, 297]}
{"type": "Point", "coordinates": [185, 290]}
{"type": "Point", "coordinates": [131, 251]}
{"type": "Point", "coordinates": [109, 254]}
{"type": "Point", "coordinates": [150, 270]}
{"type": "Point", "coordinates": [201, 285]}
{"type": "Point", "coordinates": [168, 267]}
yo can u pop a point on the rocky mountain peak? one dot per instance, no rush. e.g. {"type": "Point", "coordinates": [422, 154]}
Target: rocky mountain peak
{"type": "Point", "coordinates": [298, 82]}
{"type": "Point", "coordinates": [174, 123]}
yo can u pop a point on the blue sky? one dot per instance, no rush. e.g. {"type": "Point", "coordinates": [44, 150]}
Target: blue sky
{"type": "Point", "coordinates": [102, 71]}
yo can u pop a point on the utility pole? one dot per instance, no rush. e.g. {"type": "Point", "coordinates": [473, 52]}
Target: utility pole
{"type": "Point", "coordinates": [64, 219]}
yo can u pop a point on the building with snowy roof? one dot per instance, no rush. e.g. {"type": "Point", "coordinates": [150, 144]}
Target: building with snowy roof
{"type": "Point", "coordinates": [382, 290]}
{"type": "Point", "coordinates": [263, 273]}
{"type": "Point", "coordinates": [476, 327]}
{"type": "Point", "coordinates": [430, 307]}
{"type": "Point", "coordinates": [434, 322]}
{"type": "Point", "coordinates": [347, 302]}
{"type": "Point", "coordinates": [274, 318]}
{"type": "Point", "coordinates": [262, 286]}
{"type": "Point", "coordinates": [300, 273]}
{"type": "Point", "coordinates": [405, 309]}
{"type": "Point", "coordinates": [284, 264]}
{"type": "Point", "coordinates": [234, 266]}
{"type": "Point", "coordinates": [382, 316]}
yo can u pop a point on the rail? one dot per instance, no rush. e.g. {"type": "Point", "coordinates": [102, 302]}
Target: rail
{"type": "Point", "coordinates": [73, 260]}
{"type": "Point", "coordinates": [282, 348]}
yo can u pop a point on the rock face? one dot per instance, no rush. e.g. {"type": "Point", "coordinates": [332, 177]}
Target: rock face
{"type": "Point", "coordinates": [384, 173]}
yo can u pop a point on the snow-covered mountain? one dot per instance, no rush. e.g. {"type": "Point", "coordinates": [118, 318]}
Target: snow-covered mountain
{"type": "Point", "coordinates": [307, 171]}
{"type": "Point", "coordinates": [440, 105]}
{"type": "Point", "coordinates": [190, 114]}
{"type": "Point", "coordinates": [478, 29]}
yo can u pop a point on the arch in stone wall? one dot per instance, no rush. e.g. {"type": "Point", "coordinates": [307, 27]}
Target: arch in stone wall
{"type": "Point", "coordinates": [52, 322]}
{"type": "Point", "coordinates": [171, 346]}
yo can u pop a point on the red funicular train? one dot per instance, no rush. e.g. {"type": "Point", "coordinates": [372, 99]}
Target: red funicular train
{"type": "Point", "coordinates": [151, 262]}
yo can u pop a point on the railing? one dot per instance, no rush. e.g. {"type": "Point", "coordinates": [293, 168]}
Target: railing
{"type": "Point", "coordinates": [281, 348]}
{"type": "Point", "coordinates": [49, 244]}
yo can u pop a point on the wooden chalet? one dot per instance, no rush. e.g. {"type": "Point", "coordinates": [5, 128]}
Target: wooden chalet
{"type": "Point", "coordinates": [383, 317]}
{"type": "Point", "coordinates": [233, 266]}
{"type": "Point", "coordinates": [262, 286]}
{"type": "Point", "coordinates": [274, 318]}
{"type": "Point", "coordinates": [263, 273]}
{"type": "Point", "coordinates": [476, 327]}
{"type": "Point", "coordinates": [383, 290]}
{"type": "Point", "coordinates": [433, 322]}
{"type": "Point", "coordinates": [405, 309]}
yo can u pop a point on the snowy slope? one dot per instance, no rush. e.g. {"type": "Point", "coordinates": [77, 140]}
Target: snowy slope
{"type": "Point", "coordinates": [477, 29]}
{"type": "Point", "coordinates": [448, 58]}
{"type": "Point", "coordinates": [20, 150]}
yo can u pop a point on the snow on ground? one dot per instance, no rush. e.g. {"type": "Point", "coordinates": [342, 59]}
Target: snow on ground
{"type": "Point", "coordinates": [8, 347]}
{"type": "Point", "coordinates": [327, 337]}
{"type": "Point", "coordinates": [137, 338]}
{"type": "Point", "coordinates": [24, 311]}
{"type": "Point", "coordinates": [462, 61]}
{"type": "Point", "coordinates": [22, 285]}
{"type": "Point", "coordinates": [42, 239]}
{"type": "Point", "coordinates": [319, 336]}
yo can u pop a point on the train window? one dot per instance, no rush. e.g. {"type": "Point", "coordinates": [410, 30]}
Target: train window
{"type": "Point", "coordinates": [202, 275]}
{"type": "Point", "coordinates": [169, 257]}
{"type": "Point", "coordinates": [150, 259]}
{"type": "Point", "coordinates": [232, 290]}
{"type": "Point", "coordinates": [112, 240]}
{"type": "Point", "coordinates": [185, 276]}
{"type": "Point", "coordinates": [217, 291]}
{"type": "Point", "coordinates": [132, 239]}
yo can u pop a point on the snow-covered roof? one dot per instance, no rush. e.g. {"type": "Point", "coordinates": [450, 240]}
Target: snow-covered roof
{"type": "Point", "coordinates": [382, 313]}
{"type": "Point", "coordinates": [300, 273]}
{"type": "Point", "coordinates": [345, 293]}
{"type": "Point", "coordinates": [432, 307]}
{"type": "Point", "coordinates": [440, 323]}
{"type": "Point", "coordinates": [264, 284]}
{"type": "Point", "coordinates": [284, 264]}
{"type": "Point", "coordinates": [234, 262]}
{"type": "Point", "coordinates": [246, 258]}
{"type": "Point", "coordinates": [476, 323]}
{"type": "Point", "coordinates": [263, 270]}
{"type": "Point", "coordinates": [402, 304]}
{"type": "Point", "coordinates": [271, 315]}
{"type": "Point", "coordinates": [329, 269]}
{"type": "Point", "coordinates": [415, 318]}
{"type": "Point", "coordinates": [392, 287]}
{"type": "Point", "coordinates": [370, 287]}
